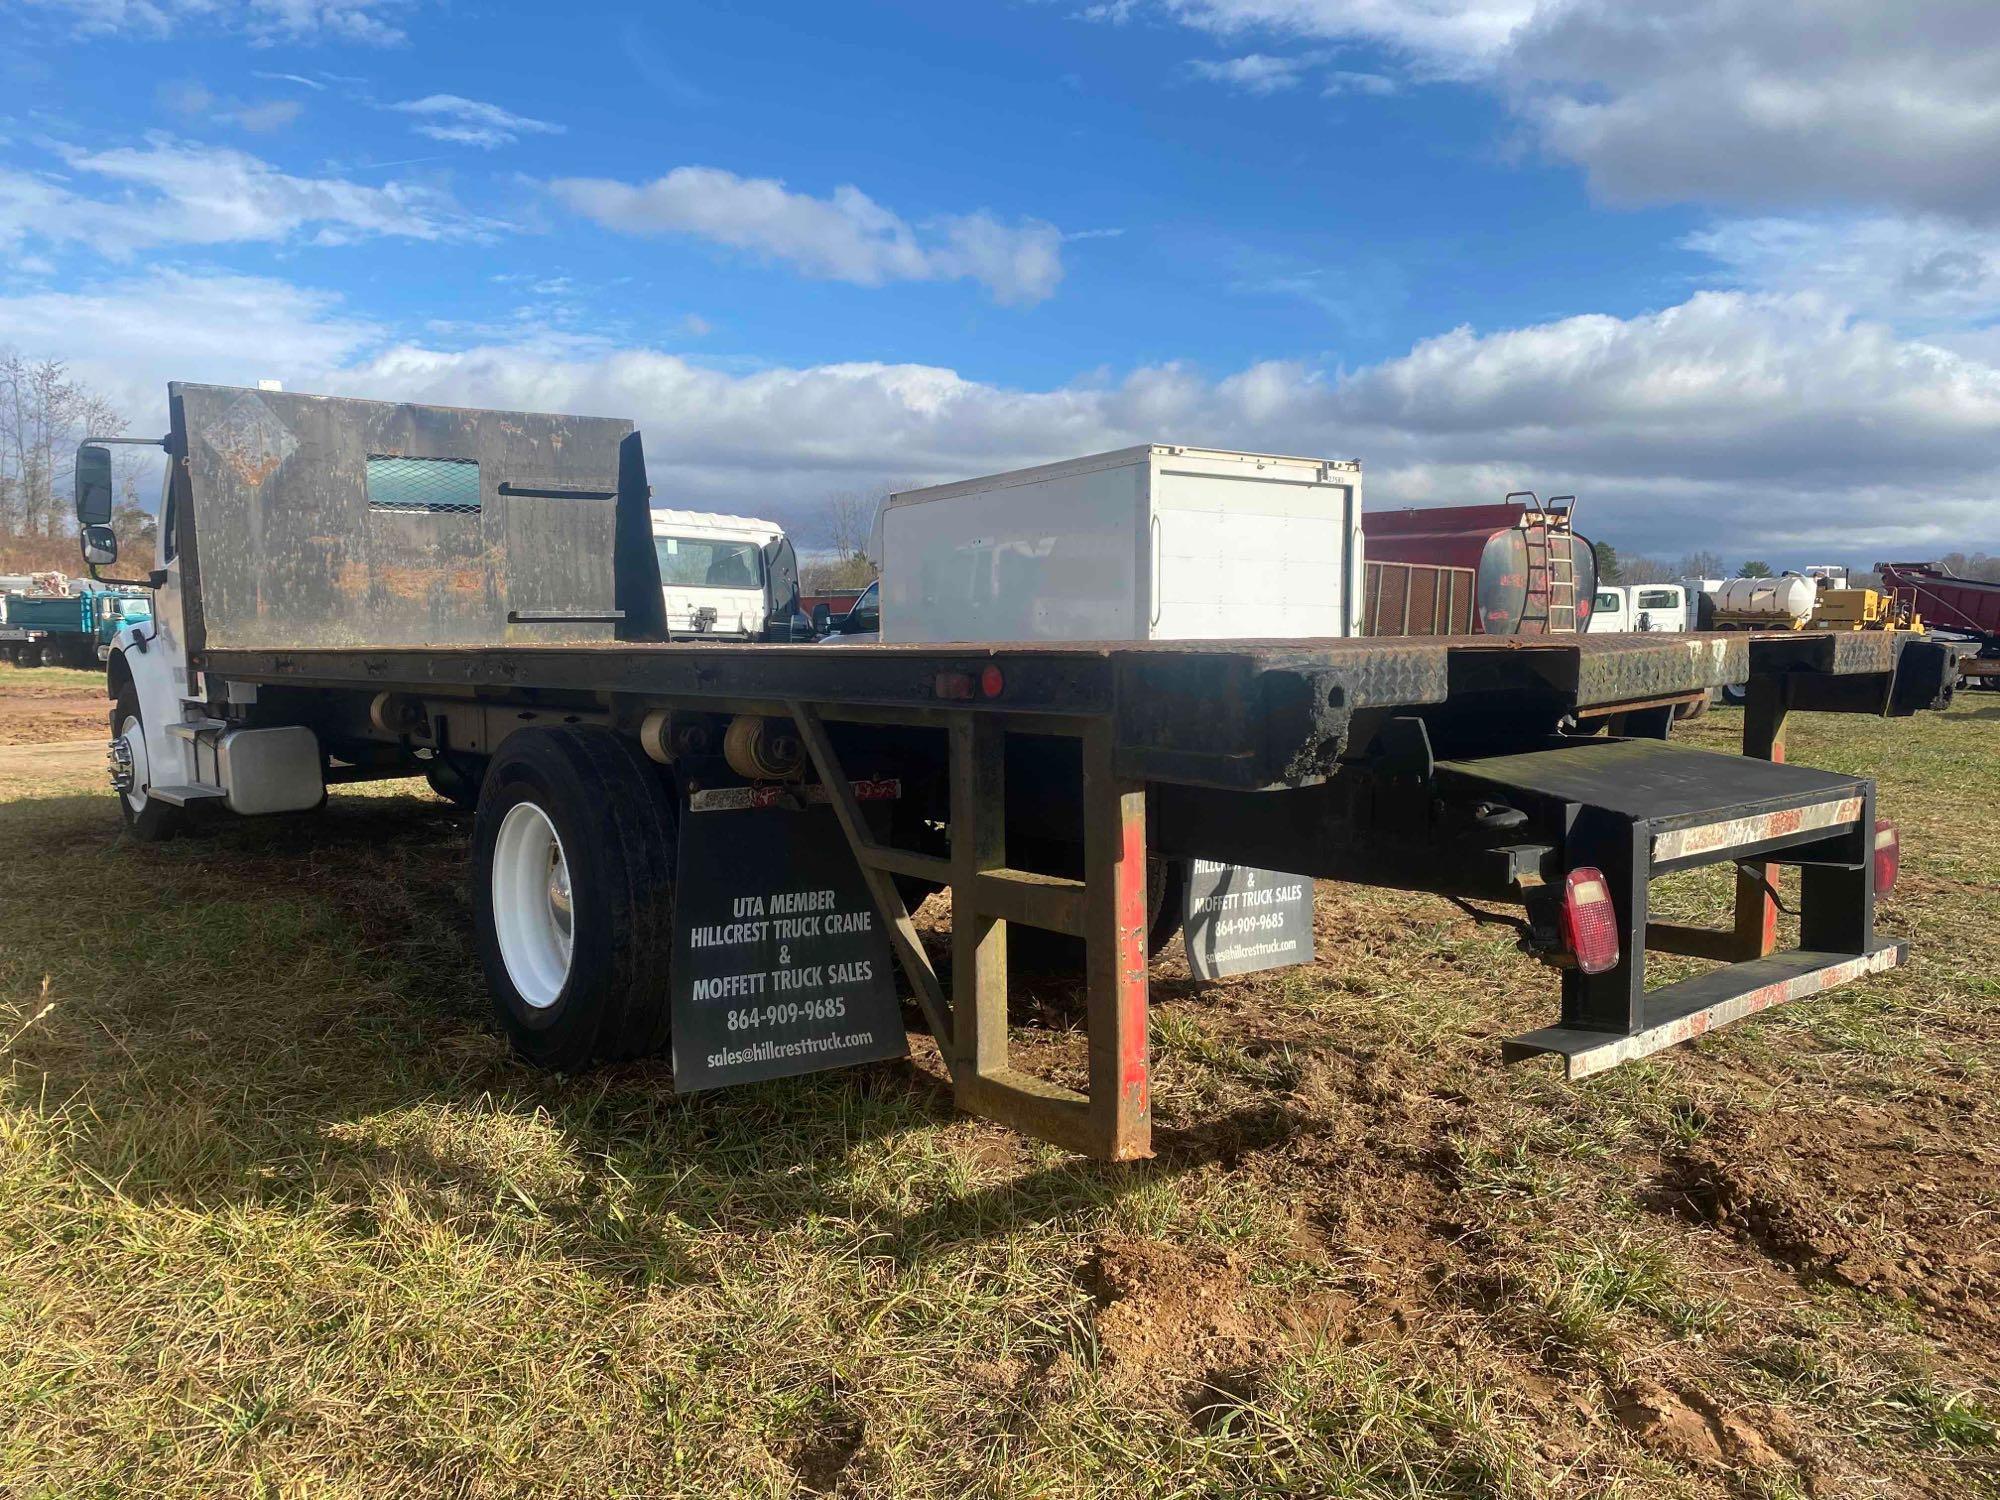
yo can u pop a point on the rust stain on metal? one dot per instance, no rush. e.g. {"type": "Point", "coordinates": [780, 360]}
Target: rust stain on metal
{"type": "Point", "coordinates": [1584, 1063]}
{"type": "Point", "coordinates": [1736, 833]}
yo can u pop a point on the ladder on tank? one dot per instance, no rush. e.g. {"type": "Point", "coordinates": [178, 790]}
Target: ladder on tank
{"type": "Point", "coordinates": [1551, 562]}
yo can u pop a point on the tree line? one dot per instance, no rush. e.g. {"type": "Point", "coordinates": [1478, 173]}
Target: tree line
{"type": "Point", "coordinates": [44, 413]}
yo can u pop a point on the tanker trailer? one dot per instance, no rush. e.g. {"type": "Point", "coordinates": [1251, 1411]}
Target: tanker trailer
{"type": "Point", "coordinates": [1756, 603]}
{"type": "Point", "coordinates": [1517, 568]}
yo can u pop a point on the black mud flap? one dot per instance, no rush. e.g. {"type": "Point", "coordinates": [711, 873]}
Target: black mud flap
{"type": "Point", "coordinates": [780, 962]}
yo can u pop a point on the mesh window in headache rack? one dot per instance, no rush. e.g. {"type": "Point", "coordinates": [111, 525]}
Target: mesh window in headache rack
{"type": "Point", "coordinates": [424, 486]}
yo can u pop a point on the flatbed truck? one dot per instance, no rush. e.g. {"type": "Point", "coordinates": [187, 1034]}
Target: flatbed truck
{"type": "Point", "coordinates": [714, 848]}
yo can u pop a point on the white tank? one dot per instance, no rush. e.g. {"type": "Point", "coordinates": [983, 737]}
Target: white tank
{"type": "Point", "coordinates": [1789, 598]}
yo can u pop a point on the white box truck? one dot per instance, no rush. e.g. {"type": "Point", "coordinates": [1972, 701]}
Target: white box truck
{"type": "Point", "coordinates": [1157, 542]}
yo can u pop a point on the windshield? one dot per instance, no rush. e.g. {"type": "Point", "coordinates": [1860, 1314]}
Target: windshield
{"type": "Point", "coordinates": [705, 563]}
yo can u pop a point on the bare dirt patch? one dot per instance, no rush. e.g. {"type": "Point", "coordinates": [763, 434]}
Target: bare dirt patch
{"type": "Point", "coordinates": [1883, 1203]}
{"type": "Point", "coordinates": [1171, 1319]}
{"type": "Point", "coordinates": [40, 706]}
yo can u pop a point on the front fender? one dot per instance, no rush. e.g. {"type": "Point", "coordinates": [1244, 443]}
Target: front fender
{"type": "Point", "coordinates": [137, 660]}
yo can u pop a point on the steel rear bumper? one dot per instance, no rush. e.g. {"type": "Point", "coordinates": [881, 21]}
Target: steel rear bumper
{"type": "Point", "coordinates": [1694, 1007]}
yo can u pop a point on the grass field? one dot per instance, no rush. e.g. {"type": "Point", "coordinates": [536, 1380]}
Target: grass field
{"type": "Point", "coordinates": [279, 1215]}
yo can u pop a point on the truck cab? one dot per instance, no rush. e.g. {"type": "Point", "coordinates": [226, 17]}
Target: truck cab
{"type": "Point", "coordinates": [1610, 610]}
{"type": "Point", "coordinates": [1639, 606]}
{"type": "Point", "coordinates": [726, 577]}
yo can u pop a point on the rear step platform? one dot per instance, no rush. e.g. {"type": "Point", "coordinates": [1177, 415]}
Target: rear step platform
{"type": "Point", "coordinates": [1638, 809]}
{"type": "Point", "coordinates": [1681, 1012]}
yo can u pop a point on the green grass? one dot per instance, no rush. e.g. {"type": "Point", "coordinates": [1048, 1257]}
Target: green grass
{"type": "Point", "coordinates": [280, 1215]}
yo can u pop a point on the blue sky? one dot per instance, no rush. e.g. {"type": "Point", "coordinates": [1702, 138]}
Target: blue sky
{"type": "Point", "coordinates": [1728, 269]}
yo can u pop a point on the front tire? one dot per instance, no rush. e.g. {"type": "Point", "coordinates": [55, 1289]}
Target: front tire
{"type": "Point", "coordinates": [147, 819]}
{"type": "Point", "coordinates": [573, 887]}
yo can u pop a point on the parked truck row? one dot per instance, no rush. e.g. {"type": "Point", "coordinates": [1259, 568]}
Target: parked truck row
{"type": "Point", "coordinates": [46, 623]}
{"type": "Point", "coordinates": [691, 835]}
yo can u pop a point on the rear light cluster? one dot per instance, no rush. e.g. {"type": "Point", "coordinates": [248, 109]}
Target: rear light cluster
{"type": "Point", "coordinates": [960, 686]}
{"type": "Point", "coordinates": [1888, 856]}
{"type": "Point", "coordinates": [1588, 921]}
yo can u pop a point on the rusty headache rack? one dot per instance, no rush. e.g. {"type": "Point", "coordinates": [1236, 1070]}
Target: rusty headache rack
{"type": "Point", "coordinates": [1057, 787]}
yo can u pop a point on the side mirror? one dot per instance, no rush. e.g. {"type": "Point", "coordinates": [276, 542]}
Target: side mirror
{"type": "Point", "coordinates": [93, 486]}
{"type": "Point", "coordinates": [100, 546]}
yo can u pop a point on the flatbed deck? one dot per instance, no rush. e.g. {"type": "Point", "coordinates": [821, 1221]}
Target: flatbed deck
{"type": "Point", "coordinates": [1236, 713]}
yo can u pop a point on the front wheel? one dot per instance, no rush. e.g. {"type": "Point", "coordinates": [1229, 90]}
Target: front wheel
{"type": "Point", "coordinates": [146, 817]}
{"type": "Point", "coordinates": [573, 886]}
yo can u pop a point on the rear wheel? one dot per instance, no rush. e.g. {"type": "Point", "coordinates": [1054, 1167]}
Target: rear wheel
{"type": "Point", "coordinates": [146, 817]}
{"type": "Point", "coordinates": [573, 884]}
{"type": "Point", "coordinates": [53, 655]}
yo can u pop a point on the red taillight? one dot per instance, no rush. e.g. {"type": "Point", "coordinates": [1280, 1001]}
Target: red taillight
{"type": "Point", "coordinates": [1588, 920]}
{"type": "Point", "coordinates": [992, 683]}
{"type": "Point", "coordinates": [1888, 856]}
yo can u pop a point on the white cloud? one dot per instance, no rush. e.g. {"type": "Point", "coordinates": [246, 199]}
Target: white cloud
{"type": "Point", "coordinates": [1751, 103]}
{"type": "Point", "coordinates": [128, 338]}
{"type": "Point", "coordinates": [265, 21]}
{"type": "Point", "coordinates": [471, 122]}
{"type": "Point", "coordinates": [1254, 72]}
{"type": "Point", "coordinates": [1915, 272]}
{"type": "Point", "coordinates": [1746, 424]}
{"type": "Point", "coordinates": [269, 114]}
{"type": "Point", "coordinates": [1747, 103]}
{"type": "Point", "coordinates": [180, 193]}
{"type": "Point", "coordinates": [1379, 85]}
{"type": "Point", "coordinates": [847, 237]}
{"type": "Point", "coordinates": [1444, 37]}
{"type": "Point", "coordinates": [195, 101]}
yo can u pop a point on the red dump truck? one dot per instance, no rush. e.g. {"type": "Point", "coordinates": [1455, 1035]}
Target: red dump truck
{"type": "Point", "coordinates": [1960, 606]}
{"type": "Point", "coordinates": [1517, 568]}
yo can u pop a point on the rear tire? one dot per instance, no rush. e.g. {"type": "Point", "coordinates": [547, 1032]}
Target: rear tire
{"type": "Point", "coordinates": [573, 895]}
{"type": "Point", "coordinates": [146, 818]}
{"type": "Point", "coordinates": [52, 654]}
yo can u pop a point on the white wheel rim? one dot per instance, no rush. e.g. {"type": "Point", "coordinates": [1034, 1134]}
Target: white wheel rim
{"type": "Point", "coordinates": [533, 912]}
{"type": "Point", "coordinates": [142, 776]}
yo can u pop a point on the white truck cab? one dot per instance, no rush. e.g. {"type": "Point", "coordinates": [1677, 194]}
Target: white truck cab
{"type": "Point", "coordinates": [1639, 606]}
{"type": "Point", "coordinates": [725, 576]}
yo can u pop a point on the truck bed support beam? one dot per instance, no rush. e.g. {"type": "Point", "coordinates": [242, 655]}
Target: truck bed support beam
{"type": "Point", "coordinates": [1112, 1120]}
